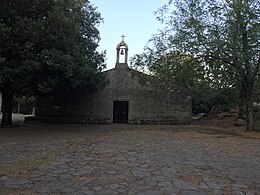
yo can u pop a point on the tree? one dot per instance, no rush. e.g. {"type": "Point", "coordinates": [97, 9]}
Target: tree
{"type": "Point", "coordinates": [223, 35]}
{"type": "Point", "coordinates": [173, 67]}
{"type": "Point", "coordinates": [48, 46]}
{"type": "Point", "coordinates": [169, 67]}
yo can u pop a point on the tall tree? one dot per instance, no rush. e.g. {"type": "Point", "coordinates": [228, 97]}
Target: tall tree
{"type": "Point", "coordinates": [169, 67]}
{"type": "Point", "coordinates": [47, 46]}
{"type": "Point", "coordinates": [223, 34]}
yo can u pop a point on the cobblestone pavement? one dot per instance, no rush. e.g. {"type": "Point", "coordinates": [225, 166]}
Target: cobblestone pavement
{"type": "Point", "coordinates": [128, 159]}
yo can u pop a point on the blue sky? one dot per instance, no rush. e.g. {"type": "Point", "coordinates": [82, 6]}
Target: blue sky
{"type": "Point", "coordinates": [133, 18]}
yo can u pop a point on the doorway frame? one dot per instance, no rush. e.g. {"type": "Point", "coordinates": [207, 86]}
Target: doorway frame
{"type": "Point", "coordinates": [113, 111]}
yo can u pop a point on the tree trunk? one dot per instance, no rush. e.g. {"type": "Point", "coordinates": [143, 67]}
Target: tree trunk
{"type": "Point", "coordinates": [249, 110]}
{"type": "Point", "coordinates": [18, 105]}
{"type": "Point", "coordinates": [7, 104]}
{"type": "Point", "coordinates": [241, 110]}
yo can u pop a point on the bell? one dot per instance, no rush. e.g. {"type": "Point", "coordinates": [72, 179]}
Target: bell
{"type": "Point", "coordinates": [122, 52]}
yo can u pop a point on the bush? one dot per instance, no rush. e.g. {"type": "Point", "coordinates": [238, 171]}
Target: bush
{"type": "Point", "coordinates": [205, 97]}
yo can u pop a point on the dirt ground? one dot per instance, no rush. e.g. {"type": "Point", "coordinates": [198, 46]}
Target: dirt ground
{"type": "Point", "coordinates": [208, 156]}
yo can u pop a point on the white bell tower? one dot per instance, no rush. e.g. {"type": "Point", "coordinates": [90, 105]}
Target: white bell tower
{"type": "Point", "coordinates": [122, 54]}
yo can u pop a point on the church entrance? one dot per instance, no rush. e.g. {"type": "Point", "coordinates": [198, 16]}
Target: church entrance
{"type": "Point", "coordinates": [120, 112]}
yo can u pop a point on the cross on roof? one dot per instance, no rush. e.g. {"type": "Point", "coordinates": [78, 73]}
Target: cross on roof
{"type": "Point", "coordinates": [123, 37]}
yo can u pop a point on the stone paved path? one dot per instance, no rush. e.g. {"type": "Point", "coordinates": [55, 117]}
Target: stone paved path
{"type": "Point", "coordinates": [128, 159]}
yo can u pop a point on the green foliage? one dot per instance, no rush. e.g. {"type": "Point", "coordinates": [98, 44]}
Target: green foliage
{"type": "Point", "coordinates": [225, 34]}
{"type": "Point", "coordinates": [49, 45]}
{"type": "Point", "coordinates": [206, 97]}
{"type": "Point", "coordinates": [169, 67]}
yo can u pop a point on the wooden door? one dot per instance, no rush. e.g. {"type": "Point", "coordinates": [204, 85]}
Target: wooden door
{"type": "Point", "coordinates": [120, 112]}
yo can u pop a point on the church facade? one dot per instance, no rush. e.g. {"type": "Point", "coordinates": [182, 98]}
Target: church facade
{"type": "Point", "coordinates": [123, 100]}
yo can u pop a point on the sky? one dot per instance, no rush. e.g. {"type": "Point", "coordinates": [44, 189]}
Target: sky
{"type": "Point", "coordinates": [132, 18]}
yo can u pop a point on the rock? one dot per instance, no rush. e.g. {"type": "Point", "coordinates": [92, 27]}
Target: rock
{"type": "Point", "coordinates": [96, 189]}
{"type": "Point", "coordinates": [138, 173]}
{"type": "Point", "coordinates": [3, 178]}
{"type": "Point", "coordinates": [239, 122]}
{"type": "Point", "coordinates": [198, 116]}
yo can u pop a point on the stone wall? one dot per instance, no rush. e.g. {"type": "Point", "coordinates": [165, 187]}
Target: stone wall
{"type": "Point", "coordinates": [146, 103]}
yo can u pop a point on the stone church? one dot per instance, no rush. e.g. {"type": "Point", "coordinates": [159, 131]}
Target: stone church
{"type": "Point", "coordinates": [123, 100]}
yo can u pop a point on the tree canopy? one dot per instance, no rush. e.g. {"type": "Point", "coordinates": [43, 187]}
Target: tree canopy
{"type": "Point", "coordinates": [223, 35]}
{"type": "Point", "coordinates": [48, 46]}
{"type": "Point", "coordinates": [170, 67]}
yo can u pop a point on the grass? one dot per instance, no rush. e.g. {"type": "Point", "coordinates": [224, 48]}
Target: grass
{"type": "Point", "coordinates": [26, 165]}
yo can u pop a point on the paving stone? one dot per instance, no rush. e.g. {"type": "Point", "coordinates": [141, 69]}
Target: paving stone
{"type": "Point", "coordinates": [88, 159]}
{"type": "Point", "coordinates": [203, 186]}
{"type": "Point", "coordinates": [15, 183]}
{"type": "Point", "coordinates": [138, 173]}
{"type": "Point", "coordinates": [132, 159]}
{"type": "Point", "coordinates": [86, 192]}
{"type": "Point", "coordinates": [148, 192]}
{"type": "Point", "coordinates": [182, 185]}
{"type": "Point", "coordinates": [250, 193]}
{"type": "Point", "coordinates": [44, 191]}
{"type": "Point", "coordinates": [165, 184]}
{"type": "Point", "coordinates": [192, 192]}
{"type": "Point", "coordinates": [58, 163]}
{"type": "Point", "coordinates": [159, 178]}
{"type": "Point", "coordinates": [150, 185]}
{"type": "Point", "coordinates": [214, 186]}
{"type": "Point", "coordinates": [97, 189]}
{"type": "Point", "coordinates": [122, 191]}
{"type": "Point", "coordinates": [239, 186]}
{"type": "Point", "coordinates": [218, 192]}
{"type": "Point", "coordinates": [66, 176]}
{"type": "Point", "coordinates": [169, 172]}
{"type": "Point", "coordinates": [106, 192]}
{"type": "Point", "coordinates": [3, 178]}
{"type": "Point", "coordinates": [114, 186]}
{"type": "Point", "coordinates": [86, 182]}
{"type": "Point", "coordinates": [67, 190]}
{"type": "Point", "coordinates": [111, 172]}
{"type": "Point", "coordinates": [37, 174]}
{"type": "Point", "coordinates": [52, 175]}
{"type": "Point", "coordinates": [81, 172]}
{"type": "Point", "coordinates": [144, 166]}
{"type": "Point", "coordinates": [59, 171]}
